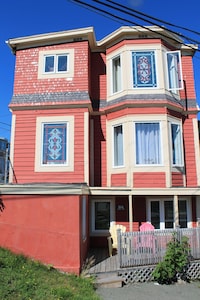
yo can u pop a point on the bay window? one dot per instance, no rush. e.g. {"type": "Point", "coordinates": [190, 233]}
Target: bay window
{"type": "Point", "coordinates": [118, 145]}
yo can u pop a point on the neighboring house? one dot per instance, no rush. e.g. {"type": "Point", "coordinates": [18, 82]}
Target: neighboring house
{"type": "Point", "coordinates": [101, 131]}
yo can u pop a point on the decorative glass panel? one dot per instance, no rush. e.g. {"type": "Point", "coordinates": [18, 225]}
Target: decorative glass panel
{"type": "Point", "coordinates": [148, 148]}
{"type": "Point", "coordinates": [102, 215]}
{"type": "Point", "coordinates": [118, 146]}
{"type": "Point", "coordinates": [55, 144]}
{"type": "Point", "coordinates": [144, 71]}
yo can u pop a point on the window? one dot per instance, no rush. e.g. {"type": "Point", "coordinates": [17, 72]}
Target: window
{"type": "Point", "coordinates": [54, 144]}
{"type": "Point", "coordinates": [176, 142]}
{"type": "Point", "coordinates": [162, 213]}
{"type": "Point", "coordinates": [144, 69]}
{"type": "Point", "coordinates": [148, 143]}
{"type": "Point", "coordinates": [116, 74]}
{"type": "Point", "coordinates": [102, 215]}
{"type": "Point", "coordinates": [175, 80]}
{"type": "Point", "coordinates": [56, 63]}
{"type": "Point", "coordinates": [118, 145]}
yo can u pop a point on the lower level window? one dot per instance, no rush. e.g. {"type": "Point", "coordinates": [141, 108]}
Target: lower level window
{"type": "Point", "coordinates": [162, 213]}
{"type": "Point", "coordinates": [102, 215]}
{"type": "Point", "coordinates": [54, 144]}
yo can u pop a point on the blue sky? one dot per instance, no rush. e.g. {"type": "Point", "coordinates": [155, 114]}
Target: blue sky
{"type": "Point", "coordinates": [23, 18]}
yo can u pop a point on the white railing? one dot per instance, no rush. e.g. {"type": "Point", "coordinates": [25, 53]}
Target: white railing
{"type": "Point", "coordinates": [149, 247]}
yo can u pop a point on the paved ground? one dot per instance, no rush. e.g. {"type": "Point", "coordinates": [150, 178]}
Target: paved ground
{"type": "Point", "coordinates": [152, 291]}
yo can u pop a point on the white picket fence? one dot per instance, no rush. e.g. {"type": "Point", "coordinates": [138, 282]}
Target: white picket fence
{"type": "Point", "coordinates": [149, 247]}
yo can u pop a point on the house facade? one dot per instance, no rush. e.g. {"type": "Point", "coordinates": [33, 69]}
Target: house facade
{"type": "Point", "coordinates": [102, 131]}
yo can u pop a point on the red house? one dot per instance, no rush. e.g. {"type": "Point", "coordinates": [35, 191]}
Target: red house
{"type": "Point", "coordinates": [102, 131]}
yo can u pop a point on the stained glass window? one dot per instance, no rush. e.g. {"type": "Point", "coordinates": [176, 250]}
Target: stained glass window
{"type": "Point", "coordinates": [54, 144]}
{"type": "Point", "coordinates": [144, 70]}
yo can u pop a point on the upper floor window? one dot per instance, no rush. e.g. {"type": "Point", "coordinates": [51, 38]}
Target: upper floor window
{"type": "Point", "coordinates": [144, 69]}
{"type": "Point", "coordinates": [56, 63]}
{"type": "Point", "coordinates": [118, 145]}
{"type": "Point", "coordinates": [116, 74]}
{"type": "Point", "coordinates": [177, 144]}
{"type": "Point", "coordinates": [174, 68]}
{"type": "Point", "coordinates": [54, 144]}
{"type": "Point", "coordinates": [148, 143]}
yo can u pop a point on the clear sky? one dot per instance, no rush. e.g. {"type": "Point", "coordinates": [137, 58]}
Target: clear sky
{"type": "Point", "coordinates": [20, 18]}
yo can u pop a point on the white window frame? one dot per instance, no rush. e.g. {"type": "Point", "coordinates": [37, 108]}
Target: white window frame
{"type": "Point", "coordinates": [39, 166]}
{"type": "Point", "coordinates": [116, 151]}
{"type": "Point", "coordinates": [174, 71]}
{"type": "Point", "coordinates": [54, 74]}
{"type": "Point", "coordinates": [162, 213]}
{"type": "Point", "coordinates": [160, 145]}
{"type": "Point", "coordinates": [116, 74]}
{"type": "Point", "coordinates": [179, 146]}
{"type": "Point", "coordinates": [56, 63]}
{"type": "Point", "coordinates": [112, 214]}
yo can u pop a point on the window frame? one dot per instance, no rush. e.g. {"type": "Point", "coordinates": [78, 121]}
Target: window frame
{"type": "Point", "coordinates": [56, 53]}
{"type": "Point", "coordinates": [172, 144]}
{"type": "Point", "coordinates": [162, 211]}
{"type": "Point", "coordinates": [176, 75]}
{"type": "Point", "coordinates": [116, 152]}
{"type": "Point", "coordinates": [112, 215]}
{"type": "Point", "coordinates": [153, 63]}
{"type": "Point", "coordinates": [116, 74]}
{"type": "Point", "coordinates": [56, 63]}
{"type": "Point", "coordinates": [39, 166]}
{"type": "Point", "coordinates": [160, 143]}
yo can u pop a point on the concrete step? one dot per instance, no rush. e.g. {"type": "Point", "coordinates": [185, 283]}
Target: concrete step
{"type": "Point", "coordinates": [109, 280]}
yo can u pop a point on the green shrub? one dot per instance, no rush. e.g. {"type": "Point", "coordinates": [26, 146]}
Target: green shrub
{"type": "Point", "coordinates": [175, 261]}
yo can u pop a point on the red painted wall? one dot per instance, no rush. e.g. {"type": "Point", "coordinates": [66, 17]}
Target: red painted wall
{"type": "Point", "coordinates": [151, 179]}
{"type": "Point", "coordinates": [46, 228]}
{"type": "Point", "coordinates": [118, 179]}
{"type": "Point", "coordinates": [24, 147]}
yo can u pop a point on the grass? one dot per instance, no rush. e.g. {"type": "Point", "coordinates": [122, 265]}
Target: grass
{"type": "Point", "coordinates": [24, 279]}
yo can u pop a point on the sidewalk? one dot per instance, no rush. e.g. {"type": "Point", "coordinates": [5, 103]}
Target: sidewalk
{"type": "Point", "coordinates": [152, 291]}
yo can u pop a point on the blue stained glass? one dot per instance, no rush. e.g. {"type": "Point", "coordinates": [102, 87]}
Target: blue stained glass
{"type": "Point", "coordinates": [144, 70]}
{"type": "Point", "coordinates": [54, 144]}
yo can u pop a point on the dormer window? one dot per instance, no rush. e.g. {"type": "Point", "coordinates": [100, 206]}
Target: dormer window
{"type": "Point", "coordinates": [144, 69]}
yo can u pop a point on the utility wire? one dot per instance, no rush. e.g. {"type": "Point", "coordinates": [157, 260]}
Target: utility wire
{"type": "Point", "coordinates": [129, 21]}
{"type": "Point", "coordinates": [143, 19]}
{"type": "Point", "coordinates": [153, 18]}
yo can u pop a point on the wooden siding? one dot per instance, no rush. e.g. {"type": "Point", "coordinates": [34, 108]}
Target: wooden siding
{"type": "Point", "coordinates": [188, 74]}
{"type": "Point", "coordinates": [24, 147]}
{"type": "Point", "coordinates": [118, 179]}
{"type": "Point", "coordinates": [190, 160]}
{"type": "Point", "coordinates": [151, 179]}
{"type": "Point", "coordinates": [177, 179]}
{"type": "Point", "coordinates": [26, 71]}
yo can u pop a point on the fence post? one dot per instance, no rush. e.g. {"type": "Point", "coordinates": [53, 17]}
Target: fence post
{"type": "Point", "coordinates": [119, 246]}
